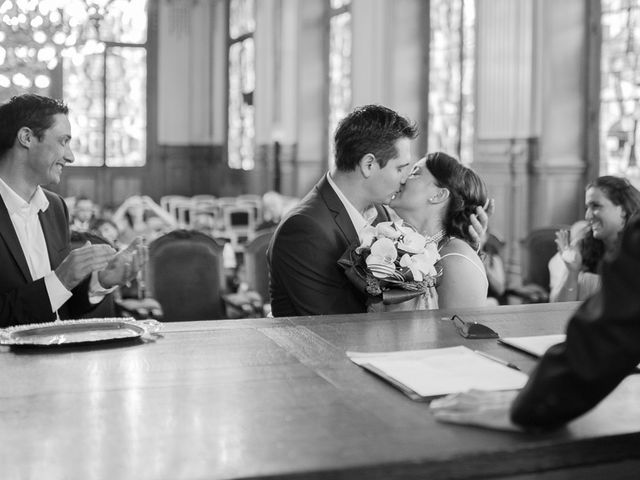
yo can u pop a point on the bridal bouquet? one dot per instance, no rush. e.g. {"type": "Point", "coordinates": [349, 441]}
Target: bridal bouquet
{"type": "Point", "coordinates": [392, 264]}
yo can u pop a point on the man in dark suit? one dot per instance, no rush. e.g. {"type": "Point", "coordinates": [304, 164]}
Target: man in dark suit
{"type": "Point", "coordinates": [602, 347]}
{"type": "Point", "coordinates": [372, 159]}
{"type": "Point", "coordinates": [40, 278]}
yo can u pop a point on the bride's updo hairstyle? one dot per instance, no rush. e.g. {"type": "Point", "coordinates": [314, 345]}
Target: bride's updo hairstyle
{"type": "Point", "coordinates": [466, 192]}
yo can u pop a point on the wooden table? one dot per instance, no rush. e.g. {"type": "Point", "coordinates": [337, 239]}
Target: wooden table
{"type": "Point", "coordinates": [275, 398]}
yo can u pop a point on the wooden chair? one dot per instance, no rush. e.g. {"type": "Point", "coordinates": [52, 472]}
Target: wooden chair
{"type": "Point", "coordinates": [255, 202]}
{"type": "Point", "coordinates": [186, 276]}
{"type": "Point", "coordinates": [178, 206]}
{"type": "Point", "coordinates": [239, 224]}
{"type": "Point", "coordinates": [536, 251]}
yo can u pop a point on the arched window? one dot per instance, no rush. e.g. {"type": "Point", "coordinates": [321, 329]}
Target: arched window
{"type": "Point", "coordinates": [241, 130]}
{"type": "Point", "coordinates": [92, 53]}
{"type": "Point", "coordinates": [620, 88]}
{"type": "Point", "coordinates": [339, 65]}
{"type": "Point", "coordinates": [451, 72]}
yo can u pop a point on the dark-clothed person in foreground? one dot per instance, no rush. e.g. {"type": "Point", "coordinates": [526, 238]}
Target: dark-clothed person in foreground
{"type": "Point", "coordinates": [41, 279]}
{"type": "Point", "coordinates": [602, 347]}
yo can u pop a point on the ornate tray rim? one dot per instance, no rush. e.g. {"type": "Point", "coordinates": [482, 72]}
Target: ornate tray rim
{"type": "Point", "coordinates": [139, 328]}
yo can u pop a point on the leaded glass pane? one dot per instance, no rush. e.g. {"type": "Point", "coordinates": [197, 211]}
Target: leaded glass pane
{"type": "Point", "coordinates": [339, 72]}
{"type": "Point", "coordinates": [620, 89]}
{"type": "Point", "coordinates": [28, 52]}
{"type": "Point", "coordinates": [83, 92]}
{"type": "Point", "coordinates": [241, 17]}
{"type": "Point", "coordinates": [451, 71]}
{"type": "Point", "coordinates": [336, 4]}
{"type": "Point", "coordinates": [126, 106]}
{"type": "Point", "coordinates": [35, 35]}
{"type": "Point", "coordinates": [124, 21]}
{"type": "Point", "coordinates": [241, 111]}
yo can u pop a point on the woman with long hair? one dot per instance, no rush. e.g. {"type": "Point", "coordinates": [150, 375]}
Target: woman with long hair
{"type": "Point", "coordinates": [438, 199]}
{"type": "Point", "coordinates": [610, 202]}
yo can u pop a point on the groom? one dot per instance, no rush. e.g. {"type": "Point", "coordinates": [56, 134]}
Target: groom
{"type": "Point", "coordinates": [372, 161]}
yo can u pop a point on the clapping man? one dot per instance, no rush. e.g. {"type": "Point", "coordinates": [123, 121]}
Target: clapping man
{"type": "Point", "coordinates": [372, 160]}
{"type": "Point", "coordinates": [40, 278]}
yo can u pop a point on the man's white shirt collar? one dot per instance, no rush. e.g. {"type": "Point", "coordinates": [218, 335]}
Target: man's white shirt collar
{"type": "Point", "coordinates": [357, 219]}
{"type": "Point", "coordinates": [17, 205]}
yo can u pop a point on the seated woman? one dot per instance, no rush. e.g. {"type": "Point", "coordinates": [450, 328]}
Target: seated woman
{"type": "Point", "coordinates": [107, 230]}
{"type": "Point", "coordinates": [438, 200]}
{"type": "Point", "coordinates": [610, 202]}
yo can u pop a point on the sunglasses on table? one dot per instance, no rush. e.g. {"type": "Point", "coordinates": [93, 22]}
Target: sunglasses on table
{"type": "Point", "coordinates": [473, 330]}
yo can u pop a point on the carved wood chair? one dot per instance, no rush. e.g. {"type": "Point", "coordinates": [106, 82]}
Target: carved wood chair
{"type": "Point", "coordinates": [537, 248]}
{"type": "Point", "coordinates": [186, 276]}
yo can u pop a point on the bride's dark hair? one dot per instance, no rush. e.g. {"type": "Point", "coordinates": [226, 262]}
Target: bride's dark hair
{"type": "Point", "coordinates": [466, 192]}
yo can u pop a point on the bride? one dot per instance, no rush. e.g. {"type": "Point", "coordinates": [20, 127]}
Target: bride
{"type": "Point", "coordinates": [438, 199]}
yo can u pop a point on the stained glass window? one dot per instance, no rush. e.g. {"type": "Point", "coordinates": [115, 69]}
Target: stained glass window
{"type": "Point", "coordinates": [451, 71]}
{"type": "Point", "coordinates": [32, 35]}
{"type": "Point", "coordinates": [620, 89]}
{"type": "Point", "coordinates": [241, 134]}
{"type": "Point", "coordinates": [339, 65]}
{"type": "Point", "coordinates": [96, 49]}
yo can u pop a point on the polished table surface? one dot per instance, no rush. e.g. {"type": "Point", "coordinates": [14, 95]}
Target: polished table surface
{"type": "Point", "coordinates": [275, 398]}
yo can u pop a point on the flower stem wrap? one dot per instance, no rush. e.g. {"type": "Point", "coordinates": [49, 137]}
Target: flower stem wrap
{"type": "Point", "coordinates": [397, 287]}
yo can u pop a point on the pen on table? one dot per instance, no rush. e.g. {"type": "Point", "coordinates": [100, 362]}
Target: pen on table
{"type": "Point", "coordinates": [499, 360]}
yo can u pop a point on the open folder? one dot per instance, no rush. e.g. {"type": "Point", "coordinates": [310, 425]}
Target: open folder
{"type": "Point", "coordinates": [536, 345]}
{"type": "Point", "coordinates": [422, 374]}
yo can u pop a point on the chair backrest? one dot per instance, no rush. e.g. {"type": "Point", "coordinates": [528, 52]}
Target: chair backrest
{"type": "Point", "coordinates": [537, 249]}
{"type": "Point", "coordinates": [255, 261]}
{"type": "Point", "coordinates": [255, 201]}
{"type": "Point", "coordinates": [239, 224]}
{"type": "Point", "coordinates": [178, 206]}
{"type": "Point", "coordinates": [206, 214]}
{"type": "Point", "coordinates": [186, 276]}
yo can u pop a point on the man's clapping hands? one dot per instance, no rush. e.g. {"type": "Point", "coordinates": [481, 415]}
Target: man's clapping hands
{"type": "Point", "coordinates": [114, 268]}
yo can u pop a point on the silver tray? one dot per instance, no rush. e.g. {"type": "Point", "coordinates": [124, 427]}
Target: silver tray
{"type": "Point", "coordinates": [88, 330]}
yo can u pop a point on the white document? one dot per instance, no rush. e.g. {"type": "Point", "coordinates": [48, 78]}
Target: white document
{"type": "Point", "coordinates": [534, 345]}
{"type": "Point", "coordinates": [440, 371]}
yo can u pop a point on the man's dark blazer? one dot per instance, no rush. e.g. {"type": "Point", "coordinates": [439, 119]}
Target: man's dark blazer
{"type": "Point", "coordinates": [602, 346]}
{"type": "Point", "coordinates": [23, 300]}
{"type": "Point", "coordinates": [305, 278]}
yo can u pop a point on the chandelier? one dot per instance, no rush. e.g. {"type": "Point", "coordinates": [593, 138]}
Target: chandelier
{"type": "Point", "coordinates": [35, 35]}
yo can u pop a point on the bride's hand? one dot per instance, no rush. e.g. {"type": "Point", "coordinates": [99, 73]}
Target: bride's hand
{"type": "Point", "coordinates": [480, 221]}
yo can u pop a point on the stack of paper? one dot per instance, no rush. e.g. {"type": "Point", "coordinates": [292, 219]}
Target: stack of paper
{"type": "Point", "coordinates": [534, 345]}
{"type": "Point", "coordinates": [427, 373]}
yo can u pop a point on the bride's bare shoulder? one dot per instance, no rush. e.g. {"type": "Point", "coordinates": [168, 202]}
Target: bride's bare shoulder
{"type": "Point", "coordinates": [456, 245]}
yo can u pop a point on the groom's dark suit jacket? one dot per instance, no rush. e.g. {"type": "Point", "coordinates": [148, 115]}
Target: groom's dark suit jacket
{"type": "Point", "coordinates": [602, 346]}
{"type": "Point", "coordinates": [305, 278]}
{"type": "Point", "coordinates": [23, 300]}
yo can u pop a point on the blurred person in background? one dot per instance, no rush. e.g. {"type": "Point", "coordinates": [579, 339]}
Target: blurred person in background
{"type": "Point", "coordinates": [83, 214]}
{"type": "Point", "coordinates": [272, 210]}
{"type": "Point", "coordinates": [610, 202]}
